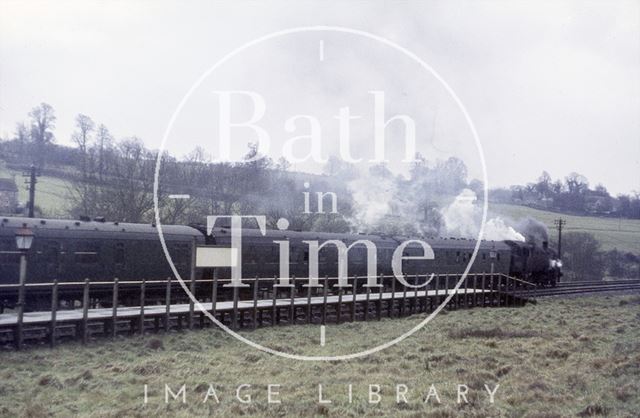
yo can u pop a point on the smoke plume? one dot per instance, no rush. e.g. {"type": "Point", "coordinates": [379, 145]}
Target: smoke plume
{"type": "Point", "coordinates": [533, 230]}
{"type": "Point", "coordinates": [463, 217]}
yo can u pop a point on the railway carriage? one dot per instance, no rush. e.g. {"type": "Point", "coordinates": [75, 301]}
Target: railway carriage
{"type": "Point", "coordinates": [260, 255]}
{"type": "Point", "coordinates": [74, 250]}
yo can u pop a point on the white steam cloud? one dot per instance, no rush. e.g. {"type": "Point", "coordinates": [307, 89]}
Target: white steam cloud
{"type": "Point", "coordinates": [372, 198]}
{"type": "Point", "coordinates": [462, 218]}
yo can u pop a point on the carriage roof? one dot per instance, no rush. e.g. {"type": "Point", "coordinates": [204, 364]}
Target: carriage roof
{"type": "Point", "coordinates": [95, 229]}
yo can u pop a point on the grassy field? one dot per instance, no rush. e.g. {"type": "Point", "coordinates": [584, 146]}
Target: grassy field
{"type": "Point", "coordinates": [573, 357]}
{"type": "Point", "coordinates": [51, 192]}
{"type": "Point", "coordinates": [623, 234]}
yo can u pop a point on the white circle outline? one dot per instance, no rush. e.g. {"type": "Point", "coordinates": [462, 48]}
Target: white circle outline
{"type": "Point", "coordinates": [386, 42]}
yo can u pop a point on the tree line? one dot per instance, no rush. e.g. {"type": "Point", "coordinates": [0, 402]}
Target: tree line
{"type": "Point", "coordinates": [571, 195]}
{"type": "Point", "coordinates": [584, 260]}
{"type": "Point", "coordinates": [114, 178]}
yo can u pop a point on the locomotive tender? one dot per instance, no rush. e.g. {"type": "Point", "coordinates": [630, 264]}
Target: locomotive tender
{"type": "Point", "coordinates": [75, 250]}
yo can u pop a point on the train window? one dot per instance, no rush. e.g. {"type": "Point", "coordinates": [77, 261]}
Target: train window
{"type": "Point", "coordinates": [52, 252]}
{"type": "Point", "coordinates": [251, 256]}
{"type": "Point", "coordinates": [87, 252]}
{"type": "Point", "coordinates": [330, 253]}
{"type": "Point", "coordinates": [118, 257]}
{"type": "Point", "coordinates": [457, 256]}
{"type": "Point", "coordinates": [484, 256]}
{"type": "Point", "coordinates": [181, 253]}
{"type": "Point", "coordinates": [271, 254]}
{"type": "Point", "coordinates": [354, 255]}
{"type": "Point", "coordinates": [8, 252]}
{"type": "Point", "coordinates": [498, 256]}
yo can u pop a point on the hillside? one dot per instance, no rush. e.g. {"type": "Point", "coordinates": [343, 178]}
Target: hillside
{"type": "Point", "coordinates": [623, 234]}
{"type": "Point", "coordinates": [51, 192]}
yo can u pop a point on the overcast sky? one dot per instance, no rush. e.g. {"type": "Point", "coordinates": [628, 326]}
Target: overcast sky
{"type": "Point", "coordinates": [549, 85]}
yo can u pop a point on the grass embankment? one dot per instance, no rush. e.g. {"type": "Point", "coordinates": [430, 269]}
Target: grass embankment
{"type": "Point", "coordinates": [575, 357]}
{"type": "Point", "coordinates": [51, 192]}
{"type": "Point", "coordinates": [623, 234]}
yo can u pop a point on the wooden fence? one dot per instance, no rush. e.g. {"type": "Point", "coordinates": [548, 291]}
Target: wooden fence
{"type": "Point", "coordinates": [263, 302]}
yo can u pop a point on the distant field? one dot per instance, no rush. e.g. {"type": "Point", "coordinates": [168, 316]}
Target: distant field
{"type": "Point", "coordinates": [51, 192]}
{"type": "Point", "coordinates": [559, 358]}
{"type": "Point", "coordinates": [623, 234]}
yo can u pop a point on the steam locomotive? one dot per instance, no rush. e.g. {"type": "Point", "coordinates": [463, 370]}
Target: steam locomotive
{"type": "Point", "coordinates": [75, 250]}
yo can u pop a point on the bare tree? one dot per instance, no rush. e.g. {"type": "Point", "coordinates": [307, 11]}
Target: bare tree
{"type": "Point", "coordinates": [22, 137]}
{"type": "Point", "coordinates": [82, 137]}
{"type": "Point", "coordinates": [576, 183]}
{"type": "Point", "coordinates": [42, 121]}
{"type": "Point", "coordinates": [543, 186]}
{"type": "Point", "coordinates": [131, 191]}
{"type": "Point", "coordinates": [104, 142]}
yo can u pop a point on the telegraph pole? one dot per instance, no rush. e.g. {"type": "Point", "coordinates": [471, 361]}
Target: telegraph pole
{"type": "Point", "coordinates": [559, 223]}
{"type": "Point", "coordinates": [31, 186]}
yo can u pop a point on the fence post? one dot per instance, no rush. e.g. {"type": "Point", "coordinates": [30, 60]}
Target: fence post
{"type": "Point", "coordinates": [499, 290]}
{"type": "Point", "coordinates": [235, 307]}
{"type": "Point", "coordinates": [392, 302]}
{"type": "Point", "coordinates": [255, 302]}
{"type": "Point", "coordinates": [366, 304]}
{"type": "Point", "coordinates": [292, 307]}
{"type": "Point", "coordinates": [85, 312]}
{"type": "Point", "coordinates": [437, 296]}
{"type": "Point", "coordinates": [353, 294]}
{"type": "Point", "coordinates": [274, 312]}
{"type": "Point", "coordinates": [512, 295]}
{"type": "Point", "coordinates": [507, 291]}
{"type": "Point", "coordinates": [54, 311]}
{"type": "Point", "coordinates": [309, 308]}
{"type": "Point", "coordinates": [324, 303]}
{"type": "Point", "coordinates": [167, 312]}
{"type": "Point", "coordinates": [404, 296]}
{"type": "Point", "coordinates": [380, 294]}
{"type": "Point", "coordinates": [114, 309]}
{"type": "Point", "coordinates": [446, 292]}
{"type": "Point", "coordinates": [465, 300]}
{"type": "Point", "coordinates": [214, 293]}
{"type": "Point", "coordinates": [22, 289]}
{"type": "Point", "coordinates": [426, 295]}
{"type": "Point", "coordinates": [142, 302]}
{"type": "Point", "coordinates": [339, 308]}
{"type": "Point", "coordinates": [415, 295]}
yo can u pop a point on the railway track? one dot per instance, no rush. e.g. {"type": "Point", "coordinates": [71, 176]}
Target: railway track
{"type": "Point", "coordinates": [587, 287]}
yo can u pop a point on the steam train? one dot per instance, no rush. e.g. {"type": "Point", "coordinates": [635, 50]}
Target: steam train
{"type": "Point", "coordinates": [75, 250]}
